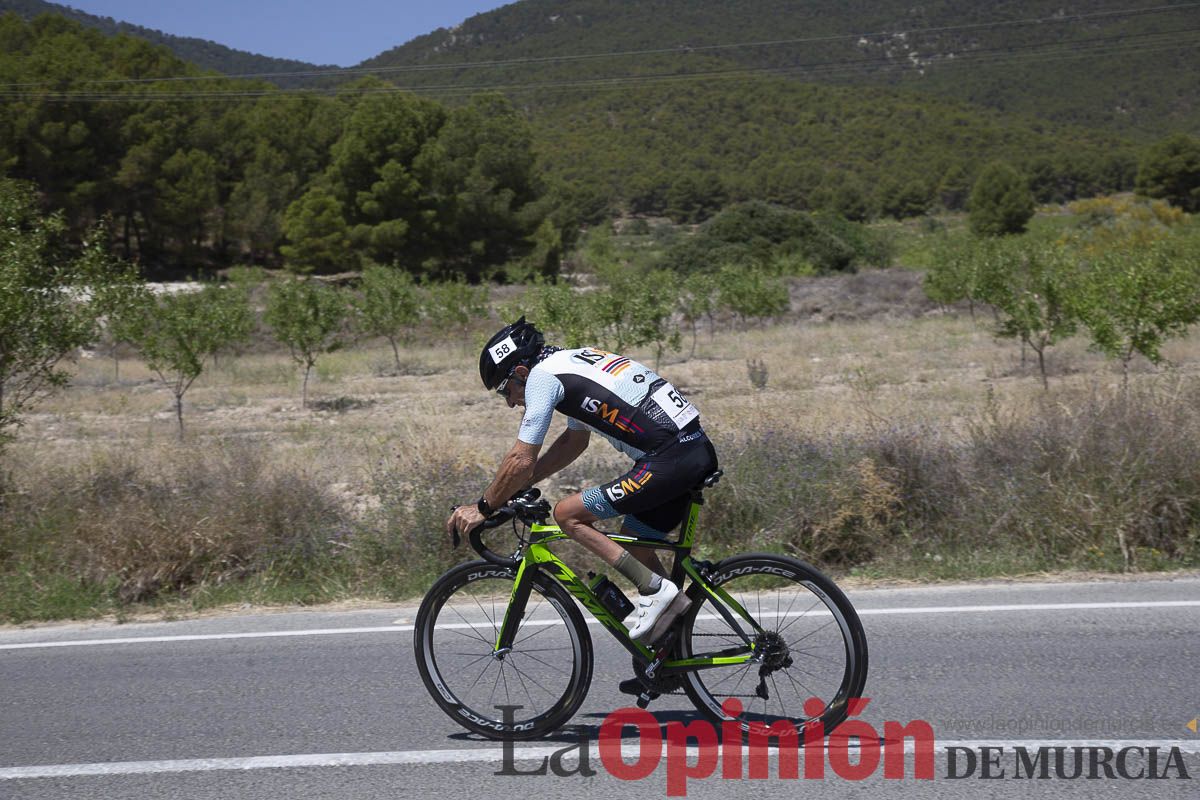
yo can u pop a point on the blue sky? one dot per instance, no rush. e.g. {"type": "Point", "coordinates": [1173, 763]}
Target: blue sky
{"type": "Point", "coordinates": [342, 32]}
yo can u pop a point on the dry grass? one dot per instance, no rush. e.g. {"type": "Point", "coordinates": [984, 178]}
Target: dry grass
{"type": "Point", "coordinates": [860, 430]}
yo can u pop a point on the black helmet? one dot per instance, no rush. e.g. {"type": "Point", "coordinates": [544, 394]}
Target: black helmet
{"type": "Point", "coordinates": [515, 344]}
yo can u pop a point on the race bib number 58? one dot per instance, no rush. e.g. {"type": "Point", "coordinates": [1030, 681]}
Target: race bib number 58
{"type": "Point", "coordinates": [675, 405]}
{"type": "Point", "coordinates": [502, 349]}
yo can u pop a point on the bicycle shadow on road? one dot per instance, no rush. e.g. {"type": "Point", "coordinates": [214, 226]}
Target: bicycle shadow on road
{"type": "Point", "coordinates": [582, 732]}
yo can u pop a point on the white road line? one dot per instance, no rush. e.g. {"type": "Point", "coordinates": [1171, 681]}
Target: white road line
{"type": "Point", "coordinates": [630, 751]}
{"type": "Point", "coordinates": [1030, 607]}
{"type": "Point", "coordinates": [867, 612]}
{"type": "Point", "coordinates": [207, 637]}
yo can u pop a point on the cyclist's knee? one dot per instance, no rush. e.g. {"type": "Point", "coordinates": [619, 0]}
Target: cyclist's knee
{"type": "Point", "coordinates": [570, 513]}
{"type": "Point", "coordinates": [563, 515]}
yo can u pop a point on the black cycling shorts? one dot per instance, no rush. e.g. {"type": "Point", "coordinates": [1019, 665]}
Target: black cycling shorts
{"type": "Point", "coordinates": [655, 493]}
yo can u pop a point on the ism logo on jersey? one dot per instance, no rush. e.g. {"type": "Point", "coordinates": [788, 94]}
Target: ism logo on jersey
{"type": "Point", "coordinates": [629, 485]}
{"type": "Point", "coordinates": [594, 406]}
{"type": "Point", "coordinates": [610, 415]}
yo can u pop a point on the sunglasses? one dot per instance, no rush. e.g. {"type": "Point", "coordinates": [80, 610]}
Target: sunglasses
{"type": "Point", "coordinates": [502, 389]}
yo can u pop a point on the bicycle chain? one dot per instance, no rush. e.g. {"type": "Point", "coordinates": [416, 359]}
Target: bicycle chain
{"type": "Point", "coordinates": [715, 635]}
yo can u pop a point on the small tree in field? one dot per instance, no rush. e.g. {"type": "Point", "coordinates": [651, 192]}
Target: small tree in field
{"type": "Point", "coordinates": [635, 308]}
{"type": "Point", "coordinates": [390, 306]}
{"type": "Point", "coordinates": [453, 304]}
{"type": "Point", "coordinates": [178, 334]}
{"type": "Point", "coordinates": [954, 273]}
{"type": "Point", "coordinates": [1135, 298]}
{"type": "Point", "coordinates": [698, 298]}
{"type": "Point", "coordinates": [121, 322]}
{"type": "Point", "coordinates": [561, 311]}
{"type": "Point", "coordinates": [1032, 285]}
{"type": "Point", "coordinates": [307, 316]}
{"type": "Point", "coordinates": [51, 300]}
{"type": "Point", "coordinates": [751, 293]}
{"type": "Point", "coordinates": [1001, 202]}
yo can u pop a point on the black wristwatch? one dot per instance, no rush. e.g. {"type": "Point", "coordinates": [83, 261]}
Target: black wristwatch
{"type": "Point", "coordinates": [483, 507]}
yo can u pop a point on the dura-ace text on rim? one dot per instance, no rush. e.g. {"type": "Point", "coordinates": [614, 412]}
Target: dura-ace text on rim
{"type": "Point", "coordinates": [811, 643]}
{"type": "Point", "coordinates": [546, 671]}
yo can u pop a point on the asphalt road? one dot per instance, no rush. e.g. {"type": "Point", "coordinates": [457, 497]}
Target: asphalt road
{"type": "Point", "coordinates": [320, 704]}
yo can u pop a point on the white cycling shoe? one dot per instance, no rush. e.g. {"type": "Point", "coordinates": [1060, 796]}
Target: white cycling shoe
{"type": "Point", "coordinates": [657, 611]}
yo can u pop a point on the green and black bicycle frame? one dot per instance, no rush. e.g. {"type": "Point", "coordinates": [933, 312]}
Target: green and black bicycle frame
{"type": "Point", "coordinates": [537, 556]}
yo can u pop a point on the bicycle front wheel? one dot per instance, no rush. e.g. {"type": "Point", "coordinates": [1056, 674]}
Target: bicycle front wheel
{"type": "Point", "coordinates": [542, 679]}
{"type": "Point", "coordinates": [808, 644]}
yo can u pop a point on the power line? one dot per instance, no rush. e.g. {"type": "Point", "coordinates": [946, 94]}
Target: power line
{"type": "Point", "coordinates": [675, 50]}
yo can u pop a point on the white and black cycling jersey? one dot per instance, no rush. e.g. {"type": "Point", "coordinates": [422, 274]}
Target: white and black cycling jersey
{"type": "Point", "coordinates": [622, 400]}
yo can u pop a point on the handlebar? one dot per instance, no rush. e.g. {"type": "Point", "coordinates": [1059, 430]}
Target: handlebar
{"type": "Point", "coordinates": [526, 507]}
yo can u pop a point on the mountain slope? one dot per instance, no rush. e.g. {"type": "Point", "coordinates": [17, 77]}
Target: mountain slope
{"type": "Point", "coordinates": [687, 149]}
{"type": "Point", "coordinates": [1127, 65]}
{"type": "Point", "coordinates": [654, 129]}
{"type": "Point", "coordinates": [201, 52]}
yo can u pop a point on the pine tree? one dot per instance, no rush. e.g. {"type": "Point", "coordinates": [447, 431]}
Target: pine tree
{"type": "Point", "coordinates": [1170, 170]}
{"type": "Point", "coordinates": [1001, 202]}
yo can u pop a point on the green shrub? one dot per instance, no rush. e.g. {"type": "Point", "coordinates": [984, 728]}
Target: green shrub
{"type": "Point", "coordinates": [1001, 202]}
{"type": "Point", "coordinates": [1134, 298]}
{"type": "Point", "coordinates": [751, 293]}
{"type": "Point", "coordinates": [953, 275]}
{"type": "Point", "coordinates": [1034, 287]}
{"type": "Point", "coordinates": [389, 306]}
{"type": "Point", "coordinates": [559, 311]}
{"type": "Point", "coordinates": [1170, 170]}
{"type": "Point", "coordinates": [179, 334]}
{"type": "Point", "coordinates": [761, 234]}
{"type": "Point", "coordinates": [870, 248]}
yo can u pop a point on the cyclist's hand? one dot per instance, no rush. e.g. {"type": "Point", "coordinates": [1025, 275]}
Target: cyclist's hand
{"type": "Point", "coordinates": [463, 520]}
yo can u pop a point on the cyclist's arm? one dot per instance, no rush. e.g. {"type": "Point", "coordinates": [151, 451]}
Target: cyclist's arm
{"type": "Point", "coordinates": [565, 449]}
{"type": "Point", "coordinates": [542, 391]}
{"type": "Point", "coordinates": [515, 473]}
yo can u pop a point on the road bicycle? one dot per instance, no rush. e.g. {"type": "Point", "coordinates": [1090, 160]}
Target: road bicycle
{"type": "Point", "coordinates": [506, 653]}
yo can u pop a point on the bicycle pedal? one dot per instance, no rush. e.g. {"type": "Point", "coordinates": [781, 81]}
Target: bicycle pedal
{"type": "Point", "coordinates": [644, 699]}
{"type": "Point", "coordinates": [632, 686]}
{"type": "Point", "coordinates": [661, 635]}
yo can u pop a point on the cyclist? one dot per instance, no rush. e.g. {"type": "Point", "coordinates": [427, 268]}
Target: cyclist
{"type": "Point", "coordinates": [639, 413]}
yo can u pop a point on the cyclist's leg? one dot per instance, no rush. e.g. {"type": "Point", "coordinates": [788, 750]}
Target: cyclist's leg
{"type": "Point", "coordinates": [622, 496]}
{"type": "Point", "coordinates": [654, 523]}
{"type": "Point", "coordinates": [639, 488]}
{"type": "Point", "coordinates": [578, 522]}
{"type": "Point", "coordinates": [653, 496]}
{"type": "Point", "coordinates": [646, 555]}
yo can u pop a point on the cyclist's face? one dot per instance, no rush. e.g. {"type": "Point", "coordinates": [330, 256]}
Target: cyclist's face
{"type": "Point", "coordinates": [514, 391]}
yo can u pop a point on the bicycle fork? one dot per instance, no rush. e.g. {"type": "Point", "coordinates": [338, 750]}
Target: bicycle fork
{"type": "Point", "coordinates": [522, 586]}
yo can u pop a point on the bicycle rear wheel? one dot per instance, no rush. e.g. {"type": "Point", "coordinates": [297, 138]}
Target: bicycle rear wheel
{"type": "Point", "coordinates": [546, 672]}
{"type": "Point", "coordinates": [810, 644]}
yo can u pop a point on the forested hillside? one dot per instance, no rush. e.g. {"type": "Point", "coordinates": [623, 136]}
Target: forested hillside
{"type": "Point", "coordinates": [201, 52]}
{"type": "Point", "coordinates": [687, 150]}
{"type": "Point", "coordinates": [1125, 65]}
{"type": "Point", "coordinates": [678, 106]}
{"type": "Point", "coordinates": [197, 172]}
